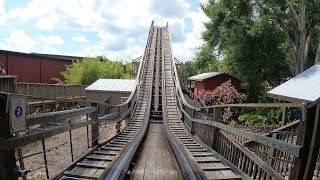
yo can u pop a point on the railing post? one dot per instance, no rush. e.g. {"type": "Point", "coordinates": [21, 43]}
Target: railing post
{"type": "Point", "coordinates": [284, 116]}
{"type": "Point", "coordinates": [217, 114]}
{"type": "Point", "coordinates": [314, 147]}
{"type": "Point", "coordinates": [217, 118]}
{"type": "Point", "coordinates": [95, 127]}
{"type": "Point", "coordinates": [271, 151]}
{"type": "Point", "coordinates": [118, 123]}
{"type": "Point", "coordinates": [304, 140]}
{"type": "Point", "coordinates": [7, 155]}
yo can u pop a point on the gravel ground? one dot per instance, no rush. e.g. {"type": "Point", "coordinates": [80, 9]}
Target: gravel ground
{"type": "Point", "coordinates": [58, 158]}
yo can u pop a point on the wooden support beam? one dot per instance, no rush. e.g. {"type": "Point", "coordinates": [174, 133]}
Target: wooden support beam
{"type": "Point", "coordinates": [29, 138]}
{"type": "Point", "coordinates": [7, 157]}
{"type": "Point", "coordinates": [217, 114]}
{"type": "Point", "coordinates": [209, 161]}
{"type": "Point", "coordinates": [281, 145]}
{"type": "Point", "coordinates": [202, 154]}
{"type": "Point", "coordinates": [215, 168]}
{"type": "Point", "coordinates": [95, 127]}
{"type": "Point", "coordinates": [314, 147]}
{"type": "Point", "coordinates": [284, 116]}
{"type": "Point", "coordinates": [304, 140]}
{"type": "Point", "coordinates": [99, 158]}
{"type": "Point", "coordinates": [105, 153]}
{"type": "Point", "coordinates": [87, 165]}
{"type": "Point", "coordinates": [57, 116]}
{"type": "Point", "coordinates": [226, 177]}
{"type": "Point", "coordinates": [80, 175]}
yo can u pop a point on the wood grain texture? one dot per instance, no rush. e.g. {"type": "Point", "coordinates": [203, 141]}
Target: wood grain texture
{"type": "Point", "coordinates": [281, 145]}
{"type": "Point", "coordinates": [156, 160]}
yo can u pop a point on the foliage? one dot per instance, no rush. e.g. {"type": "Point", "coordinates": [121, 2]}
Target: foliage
{"type": "Point", "coordinates": [89, 70]}
{"type": "Point", "coordinates": [224, 94]}
{"type": "Point", "coordinates": [253, 118]}
{"type": "Point", "coordinates": [298, 21]}
{"type": "Point", "coordinates": [261, 41]}
{"type": "Point", "coordinates": [249, 45]}
{"type": "Point", "coordinates": [188, 69]}
{"type": "Point", "coordinates": [206, 61]}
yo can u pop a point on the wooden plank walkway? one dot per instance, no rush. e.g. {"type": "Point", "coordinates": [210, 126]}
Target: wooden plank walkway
{"type": "Point", "coordinates": [156, 160]}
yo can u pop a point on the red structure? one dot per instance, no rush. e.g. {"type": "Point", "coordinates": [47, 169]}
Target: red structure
{"type": "Point", "coordinates": [35, 68]}
{"type": "Point", "coordinates": [209, 81]}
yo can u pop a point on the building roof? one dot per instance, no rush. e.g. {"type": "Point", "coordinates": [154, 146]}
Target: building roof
{"type": "Point", "coordinates": [35, 55]}
{"type": "Point", "coordinates": [204, 76]}
{"type": "Point", "coordinates": [112, 85]}
{"type": "Point", "coordinates": [305, 87]}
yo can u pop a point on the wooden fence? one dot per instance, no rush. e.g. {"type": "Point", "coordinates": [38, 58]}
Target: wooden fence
{"type": "Point", "coordinates": [41, 127]}
{"type": "Point", "coordinates": [51, 90]}
{"type": "Point", "coordinates": [8, 84]}
{"type": "Point", "coordinates": [258, 155]}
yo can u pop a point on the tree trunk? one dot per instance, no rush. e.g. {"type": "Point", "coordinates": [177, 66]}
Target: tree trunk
{"type": "Point", "coordinates": [303, 37]}
{"type": "Point", "coordinates": [317, 60]}
{"type": "Point", "coordinates": [306, 50]}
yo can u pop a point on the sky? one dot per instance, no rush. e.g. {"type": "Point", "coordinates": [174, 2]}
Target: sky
{"type": "Point", "coordinates": [116, 29]}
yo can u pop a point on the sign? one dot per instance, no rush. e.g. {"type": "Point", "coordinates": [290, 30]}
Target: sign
{"type": "Point", "coordinates": [17, 113]}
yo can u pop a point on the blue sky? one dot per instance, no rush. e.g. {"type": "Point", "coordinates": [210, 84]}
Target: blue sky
{"type": "Point", "coordinates": [115, 29]}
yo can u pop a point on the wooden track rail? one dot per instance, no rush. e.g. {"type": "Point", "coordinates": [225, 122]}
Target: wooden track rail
{"type": "Point", "coordinates": [197, 158]}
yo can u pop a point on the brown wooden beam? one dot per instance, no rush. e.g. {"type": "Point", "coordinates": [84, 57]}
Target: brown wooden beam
{"type": "Point", "coordinates": [29, 138]}
{"type": "Point", "coordinates": [95, 127]}
{"type": "Point", "coordinates": [304, 140]}
{"type": "Point", "coordinates": [314, 147]}
{"type": "Point", "coordinates": [7, 157]}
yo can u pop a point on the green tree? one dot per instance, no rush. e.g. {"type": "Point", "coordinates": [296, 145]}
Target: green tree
{"type": "Point", "coordinates": [90, 69]}
{"type": "Point", "coordinates": [250, 47]}
{"type": "Point", "coordinates": [206, 61]}
{"type": "Point", "coordinates": [299, 22]}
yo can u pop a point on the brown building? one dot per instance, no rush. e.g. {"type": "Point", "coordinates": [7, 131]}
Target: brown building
{"type": "Point", "coordinates": [35, 68]}
{"type": "Point", "coordinates": [210, 81]}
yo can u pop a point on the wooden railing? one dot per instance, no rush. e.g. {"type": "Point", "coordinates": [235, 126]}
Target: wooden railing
{"type": "Point", "coordinates": [8, 84]}
{"type": "Point", "coordinates": [43, 126]}
{"type": "Point", "coordinates": [221, 138]}
{"type": "Point", "coordinates": [51, 90]}
{"type": "Point", "coordinates": [243, 158]}
{"type": "Point", "coordinates": [279, 160]}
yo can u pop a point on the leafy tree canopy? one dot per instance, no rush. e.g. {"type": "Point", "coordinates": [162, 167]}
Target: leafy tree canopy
{"type": "Point", "coordinates": [89, 70]}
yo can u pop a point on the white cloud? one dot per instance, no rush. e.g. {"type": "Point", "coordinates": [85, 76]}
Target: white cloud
{"type": "Point", "coordinates": [80, 38]}
{"type": "Point", "coordinates": [170, 8]}
{"type": "Point", "coordinates": [2, 13]}
{"type": "Point", "coordinates": [198, 20]}
{"type": "Point", "coordinates": [177, 32]}
{"type": "Point", "coordinates": [19, 41]}
{"type": "Point", "coordinates": [121, 26]}
{"type": "Point", "coordinates": [204, 1]}
{"type": "Point", "coordinates": [51, 40]}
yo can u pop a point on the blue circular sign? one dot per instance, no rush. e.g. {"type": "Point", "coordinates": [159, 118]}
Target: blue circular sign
{"type": "Point", "coordinates": [18, 111]}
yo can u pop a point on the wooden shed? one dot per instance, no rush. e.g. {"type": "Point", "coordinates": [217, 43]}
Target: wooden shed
{"type": "Point", "coordinates": [110, 91]}
{"type": "Point", "coordinates": [211, 80]}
